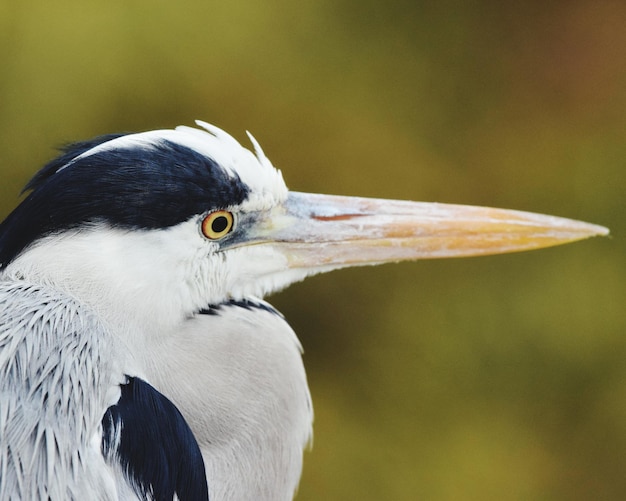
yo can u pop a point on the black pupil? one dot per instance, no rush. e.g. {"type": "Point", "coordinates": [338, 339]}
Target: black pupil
{"type": "Point", "coordinates": [219, 224]}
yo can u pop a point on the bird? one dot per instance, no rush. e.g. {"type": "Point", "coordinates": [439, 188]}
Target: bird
{"type": "Point", "coordinates": [139, 358]}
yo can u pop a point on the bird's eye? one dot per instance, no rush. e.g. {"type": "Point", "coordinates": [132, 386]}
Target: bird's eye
{"type": "Point", "coordinates": [217, 224]}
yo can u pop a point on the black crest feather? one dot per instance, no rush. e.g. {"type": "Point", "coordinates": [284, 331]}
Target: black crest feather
{"type": "Point", "coordinates": [132, 186]}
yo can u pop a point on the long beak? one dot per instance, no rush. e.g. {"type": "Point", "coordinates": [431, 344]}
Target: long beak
{"type": "Point", "coordinates": [325, 232]}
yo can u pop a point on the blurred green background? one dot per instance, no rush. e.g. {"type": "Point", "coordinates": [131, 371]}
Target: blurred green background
{"type": "Point", "coordinates": [480, 379]}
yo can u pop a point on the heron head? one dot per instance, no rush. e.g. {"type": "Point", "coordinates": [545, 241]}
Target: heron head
{"type": "Point", "coordinates": [188, 217]}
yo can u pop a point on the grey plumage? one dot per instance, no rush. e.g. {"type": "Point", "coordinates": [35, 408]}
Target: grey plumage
{"type": "Point", "coordinates": [56, 380]}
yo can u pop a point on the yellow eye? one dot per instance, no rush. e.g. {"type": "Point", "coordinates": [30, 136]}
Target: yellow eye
{"type": "Point", "coordinates": [217, 224]}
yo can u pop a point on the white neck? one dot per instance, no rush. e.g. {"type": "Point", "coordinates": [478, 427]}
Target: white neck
{"type": "Point", "coordinates": [237, 377]}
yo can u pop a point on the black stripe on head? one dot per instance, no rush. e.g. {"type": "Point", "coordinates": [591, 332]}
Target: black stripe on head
{"type": "Point", "coordinates": [156, 449]}
{"type": "Point", "coordinates": [133, 186]}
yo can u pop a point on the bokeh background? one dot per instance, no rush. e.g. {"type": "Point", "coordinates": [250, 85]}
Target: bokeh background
{"type": "Point", "coordinates": [480, 379]}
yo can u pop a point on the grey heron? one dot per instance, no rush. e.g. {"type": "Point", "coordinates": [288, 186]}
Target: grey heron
{"type": "Point", "coordinates": [138, 359]}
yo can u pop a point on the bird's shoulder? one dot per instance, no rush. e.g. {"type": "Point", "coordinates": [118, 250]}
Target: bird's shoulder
{"type": "Point", "coordinates": [70, 412]}
{"type": "Point", "coordinates": [55, 385]}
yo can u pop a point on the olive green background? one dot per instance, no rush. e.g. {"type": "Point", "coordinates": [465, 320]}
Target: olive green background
{"type": "Point", "coordinates": [477, 379]}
